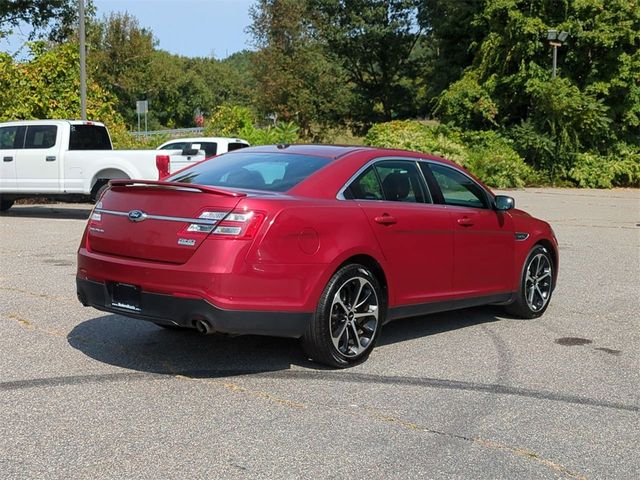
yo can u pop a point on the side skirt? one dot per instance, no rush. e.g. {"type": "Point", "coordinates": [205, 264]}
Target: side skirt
{"type": "Point", "coordinates": [406, 311]}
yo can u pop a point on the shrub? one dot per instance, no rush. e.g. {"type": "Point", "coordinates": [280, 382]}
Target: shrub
{"type": "Point", "coordinates": [282, 132]}
{"type": "Point", "coordinates": [493, 159]}
{"type": "Point", "coordinates": [620, 169]}
{"type": "Point", "coordinates": [228, 121]}
{"type": "Point", "coordinates": [486, 154]}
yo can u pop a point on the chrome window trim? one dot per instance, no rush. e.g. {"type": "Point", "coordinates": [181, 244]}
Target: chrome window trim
{"type": "Point", "coordinates": [200, 221]}
{"type": "Point", "coordinates": [340, 195]}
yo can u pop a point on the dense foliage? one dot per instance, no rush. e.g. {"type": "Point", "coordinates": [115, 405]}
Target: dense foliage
{"type": "Point", "coordinates": [486, 154]}
{"type": "Point", "coordinates": [479, 70]}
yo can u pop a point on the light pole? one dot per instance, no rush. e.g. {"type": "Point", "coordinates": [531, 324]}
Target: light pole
{"type": "Point", "coordinates": [83, 62]}
{"type": "Point", "coordinates": [555, 40]}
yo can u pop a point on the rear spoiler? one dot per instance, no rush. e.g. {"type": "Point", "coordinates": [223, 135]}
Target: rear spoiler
{"type": "Point", "coordinates": [189, 186]}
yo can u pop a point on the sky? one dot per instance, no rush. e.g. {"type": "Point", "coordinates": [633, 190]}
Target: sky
{"type": "Point", "coordinates": [193, 28]}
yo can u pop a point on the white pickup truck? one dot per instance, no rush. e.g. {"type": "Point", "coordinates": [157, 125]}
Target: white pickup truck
{"type": "Point", "coordinates": [73, 157]}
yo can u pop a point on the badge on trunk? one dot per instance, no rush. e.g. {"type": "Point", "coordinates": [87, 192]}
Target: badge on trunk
{"type": "Point", "coordinates": [187, 242]}
{"type": "Point", "coordinates": [137, 215]}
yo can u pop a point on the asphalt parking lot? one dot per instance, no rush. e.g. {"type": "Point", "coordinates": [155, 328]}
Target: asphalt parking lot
{"type": "Point", "coordinates": [467, 394]}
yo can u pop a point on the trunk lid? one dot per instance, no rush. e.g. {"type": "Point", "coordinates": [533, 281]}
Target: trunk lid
{"type": "Point", "coordinates": [158, 221]}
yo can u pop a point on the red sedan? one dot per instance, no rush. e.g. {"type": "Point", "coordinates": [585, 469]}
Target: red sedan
{"type": "Point", "coordinates": [322, 243]}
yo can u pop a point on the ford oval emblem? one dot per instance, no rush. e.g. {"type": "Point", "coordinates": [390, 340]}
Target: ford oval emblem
{"type": "Point", "coordinates": [137, 215]}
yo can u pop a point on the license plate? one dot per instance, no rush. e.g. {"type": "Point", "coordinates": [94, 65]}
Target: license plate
{"type": "Point", "coordinates": [126, 296]}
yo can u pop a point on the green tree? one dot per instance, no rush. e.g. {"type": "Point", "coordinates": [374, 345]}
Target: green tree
{"type": "Point", "coordinates": [592, 104]}
{"type": "Point", "coordinates": [47, 86]}
{"type": "Point", "coordinates": [298, 80]}
{"type": "Point", "coordinates": [56, 18]}
{"type": "Point", "coordinates": [375, 40]}
{"type": "Point", "coordinates": [119, 58]}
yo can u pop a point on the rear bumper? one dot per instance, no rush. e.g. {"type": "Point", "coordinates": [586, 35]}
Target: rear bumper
{"type": "Point", "coordinates": [173, 310]}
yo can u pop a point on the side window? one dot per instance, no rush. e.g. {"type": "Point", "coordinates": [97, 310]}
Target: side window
{"type": "Point", "coordinates": [41, 136]}
{"type": "Point", "coordinates": [236, 146]}
{"type": "Point", "coordinates": [210, 148]}
{"type": "Point", "coordinates": [8, 137]}
{"type": "Point", "coordinates": [401, 182]}
{"type": "Point", "coordinates": [458, 189]}
{"type": "Point", "coordinates": [365, 187]}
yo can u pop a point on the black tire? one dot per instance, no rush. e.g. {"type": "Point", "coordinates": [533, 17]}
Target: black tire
{"type": "Point", "coordinates": [5, 204]}
{"type": "Point", "coordinates": [355, 328]}
{"type": "Point", "coordinates": [536, 285]}
{"type": "Point", "coordinates": [98, 189]}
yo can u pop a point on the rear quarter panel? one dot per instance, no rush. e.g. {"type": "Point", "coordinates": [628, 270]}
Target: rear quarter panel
{"type": "Point", "coordinates": [310, 240]}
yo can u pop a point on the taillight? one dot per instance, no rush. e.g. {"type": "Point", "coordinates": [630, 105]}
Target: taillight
{"type": "Point", "coordinates": [236, 224]}
{"type": "Point", "coordinates": [162, 164]}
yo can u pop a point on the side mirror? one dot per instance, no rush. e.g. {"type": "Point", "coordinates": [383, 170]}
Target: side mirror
{"type": "Point", "coordinates": [502, 202]}
{"type": "Point", "coordinates": [190, 152]}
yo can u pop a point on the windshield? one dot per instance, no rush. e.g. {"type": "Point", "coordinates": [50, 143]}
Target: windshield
{"type": "Point", "coordinates": [276, 172]}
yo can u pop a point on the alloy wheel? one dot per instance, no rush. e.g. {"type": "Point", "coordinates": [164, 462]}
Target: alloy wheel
{"type": "Point", "coordinates": [354, 317]}
{"type": "Point", "coordinates": [538, 282]}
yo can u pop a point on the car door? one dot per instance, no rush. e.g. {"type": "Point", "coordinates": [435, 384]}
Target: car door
{"type": "Point", "coordinates": [414, 234]}
{"type": "Point", "coordinates": [37, 164]}
{"type": "Point", "coordinates": [484, 237]}
{"type": "Point", "coordinates": [11, 139]}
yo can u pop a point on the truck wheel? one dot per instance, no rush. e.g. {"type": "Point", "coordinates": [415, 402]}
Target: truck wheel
{"type": "Point", "coordinates": [98, 189]}
{"type": "Point", "coordinates": [5, 204]}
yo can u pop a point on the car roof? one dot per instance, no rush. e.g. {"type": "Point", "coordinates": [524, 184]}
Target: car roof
{"type": "Point", "coordinates": [326, 151]}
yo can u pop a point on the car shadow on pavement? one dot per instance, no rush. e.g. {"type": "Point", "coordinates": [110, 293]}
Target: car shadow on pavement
{"type": "Point", "coordinates": [145, 347]}
{"type": "Point", "coordinates": [48, 212]}
{"type": "Point", "coordinates": [426, 325]}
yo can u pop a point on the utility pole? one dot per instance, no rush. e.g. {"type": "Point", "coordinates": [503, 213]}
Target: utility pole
{"type": "Point", "coordinates": [83, 62]}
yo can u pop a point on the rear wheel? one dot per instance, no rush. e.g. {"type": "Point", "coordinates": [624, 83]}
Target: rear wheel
{"type": "Point", "coordinates": [536, 285]}
{"type": "Point", "coordinates": [348, 319]}
{"type": "Point", "coordinates": [98, 189]}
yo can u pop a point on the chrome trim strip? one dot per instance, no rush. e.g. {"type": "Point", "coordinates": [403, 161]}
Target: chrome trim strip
{"type": "Point", "coordinates": [340, 195]}
{"type": "Point", "coordinates": [200, 221]}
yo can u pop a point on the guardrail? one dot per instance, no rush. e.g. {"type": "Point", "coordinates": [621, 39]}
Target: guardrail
{"type": "Point", "coordinates": [175, 131]}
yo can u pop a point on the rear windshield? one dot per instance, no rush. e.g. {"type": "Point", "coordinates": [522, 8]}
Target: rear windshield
{"type": "Point", "coordinates": [89, 137]}
{"type": "Point", "coordinates": [276, 172]}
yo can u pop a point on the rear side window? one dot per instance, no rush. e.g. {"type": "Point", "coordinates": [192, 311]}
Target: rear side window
{"type": "Point", "coordinates": [365, 187]}
{"type": "Point", "coordinates": [391, 180]}
{"type": "Point", "coordinates": [276, 172]}
{"type": "Point", "coordinates": [210, 148]}
{"type": "Point", "coordinates": [41, 136]}
{"type": "Point", "coordinates": [236, 146]}
{"type": "Point", "coordinates": [89, 137]}
{"type": "Point", "coordinates": [458, 189]}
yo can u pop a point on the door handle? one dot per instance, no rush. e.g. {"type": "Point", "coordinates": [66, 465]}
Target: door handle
{"type": "Point", "coordinates": [51, 158]}
{"type": "Point", "coordinates": [386, 220]}
{"type": "Point", "coordinates": [7, 159]}
{"type": "Point", "coordinates": [465, 222]}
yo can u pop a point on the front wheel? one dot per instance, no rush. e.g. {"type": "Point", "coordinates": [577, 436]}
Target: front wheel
{"type": "Point", "coordinates": [536, 285]}
{"type": "Point", "coordinates": [348, 319]}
